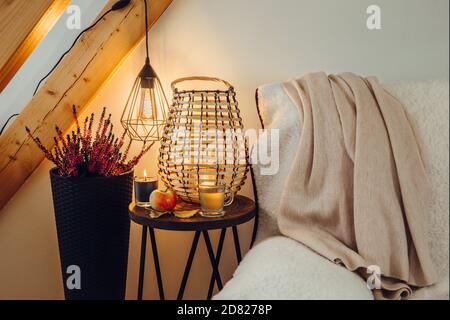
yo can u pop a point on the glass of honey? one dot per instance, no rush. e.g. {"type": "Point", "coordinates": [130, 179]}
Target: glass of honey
{"type": "Point", "coordinates": [212, 200]}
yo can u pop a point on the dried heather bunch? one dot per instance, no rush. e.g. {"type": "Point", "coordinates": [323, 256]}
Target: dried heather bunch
{"type": "Point", "coordinates": [82, 154]}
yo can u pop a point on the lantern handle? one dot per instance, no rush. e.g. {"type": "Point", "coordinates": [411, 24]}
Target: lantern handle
{"type": "Point", "coordinates": [200, 78]}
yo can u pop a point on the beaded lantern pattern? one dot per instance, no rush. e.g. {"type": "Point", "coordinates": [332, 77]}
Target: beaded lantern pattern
{"type": "Point", "coordinates": [203, 141]}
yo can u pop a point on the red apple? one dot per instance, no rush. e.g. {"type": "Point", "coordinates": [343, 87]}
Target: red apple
{"type": "Point", "coordinates": [163, 200]}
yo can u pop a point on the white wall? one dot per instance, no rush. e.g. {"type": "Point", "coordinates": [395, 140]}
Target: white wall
{"type": "Point", "coordinates": [252, 42]}
{"type": "Point", "coordinates": [247, 42]}
{"type": "Point", "coordinates": [258, 41]}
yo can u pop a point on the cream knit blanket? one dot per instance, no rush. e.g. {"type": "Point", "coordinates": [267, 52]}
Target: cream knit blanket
{"type": "Point", "coordinates": [358, 191]}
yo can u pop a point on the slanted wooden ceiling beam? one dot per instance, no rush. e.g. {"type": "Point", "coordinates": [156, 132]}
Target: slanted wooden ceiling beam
{"type": "Point", "coordinates": [74, 82]}
{"type": "Point", "coordinates": [23, 24]}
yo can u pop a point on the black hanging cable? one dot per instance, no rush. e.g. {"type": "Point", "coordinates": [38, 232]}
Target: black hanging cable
{"type": "Point", "coordinates": [146, 28]}
{"type": "Point", "coordinates": [116, 6]}
{"type": "Point", "coordinates": [4, 126]}
{"type": "Point", "coordinates": [70, 48]}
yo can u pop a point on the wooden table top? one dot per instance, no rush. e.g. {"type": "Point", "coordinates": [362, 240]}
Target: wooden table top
{"type": "Point", "coordinates": [240, 211]}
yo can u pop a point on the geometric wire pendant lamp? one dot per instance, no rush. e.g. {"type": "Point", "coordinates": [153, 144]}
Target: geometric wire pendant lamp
{"type": "Point", "coordinates": [144, 115]}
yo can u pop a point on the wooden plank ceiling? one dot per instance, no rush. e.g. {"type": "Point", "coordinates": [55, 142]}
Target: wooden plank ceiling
{"type": "Point", "coordinates": [75, 81]}
{"type": "Point", "coordinates": [23, 24]}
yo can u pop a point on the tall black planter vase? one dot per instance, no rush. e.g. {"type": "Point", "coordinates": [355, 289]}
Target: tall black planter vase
{"type": "Point", "coordinates": [93, 234]}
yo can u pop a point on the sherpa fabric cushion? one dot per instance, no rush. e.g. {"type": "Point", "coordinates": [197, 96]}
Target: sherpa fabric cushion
{"type": "Point", "coordinates": [282, 268]}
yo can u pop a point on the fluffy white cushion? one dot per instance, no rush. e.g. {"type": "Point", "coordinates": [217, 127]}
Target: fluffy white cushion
{"type": "Point", "coordinates": [277, 112]}
{"type": "Point", "coordinates": [282, 268]}
{"type": "Point", "coordinates": [427, 105]}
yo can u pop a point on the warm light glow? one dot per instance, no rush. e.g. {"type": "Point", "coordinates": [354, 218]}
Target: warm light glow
{"type": "Point", "coordinates": [212, 201]}
{"type": "Point", "coordinates": [147, 105]}
{"type": "Point", "coordinates": [145, 174]}
{"type": "Point", "coordinates": [208, 180]}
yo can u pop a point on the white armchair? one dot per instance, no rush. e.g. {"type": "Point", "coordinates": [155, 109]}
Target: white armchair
{"type": "Point", "coordinates": [281, 268]}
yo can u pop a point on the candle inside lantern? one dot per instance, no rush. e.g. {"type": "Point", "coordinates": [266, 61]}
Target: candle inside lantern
{"type": "Point", "coordinates": [212, 201]}
{"type": "Point", "coordinates": [207, 177]}
{"type": "Point", "coordinates": [143, 187]}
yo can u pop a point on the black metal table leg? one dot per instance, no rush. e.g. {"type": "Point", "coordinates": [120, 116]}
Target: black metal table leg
{"type": "Point", "coordinates": [237, 246]}
{"type": "Point", "coordinates": [156, 261]}
{"type": "Point", "coordinates": [142, 262]}
{"type": "Point", "coordinates": [214, 265]}
{"type": "Point", "coordinates": [218, 255]}
{"type": "Point", "coordinates": [187, 269]}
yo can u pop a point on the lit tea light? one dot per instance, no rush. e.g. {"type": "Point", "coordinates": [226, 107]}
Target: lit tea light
{"type": "Point", "coordinates": [212, 200]}
{"type": "Point", "coordinates": [143, 187]}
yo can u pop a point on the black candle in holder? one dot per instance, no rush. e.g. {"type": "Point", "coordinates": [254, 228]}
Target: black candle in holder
{"type": "Point", "coordinates": [143, 187]}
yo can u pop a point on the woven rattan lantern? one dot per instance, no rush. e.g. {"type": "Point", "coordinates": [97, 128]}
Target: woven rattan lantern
{"type": "Point", "coordinates": [203, 141]}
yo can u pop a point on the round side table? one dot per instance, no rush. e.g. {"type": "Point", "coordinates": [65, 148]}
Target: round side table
{"type": "Point", "coordinates": [240, 211]}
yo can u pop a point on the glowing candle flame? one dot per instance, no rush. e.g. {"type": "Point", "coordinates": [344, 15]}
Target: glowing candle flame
{"type": "Point", "coordinates": [145, 174]}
